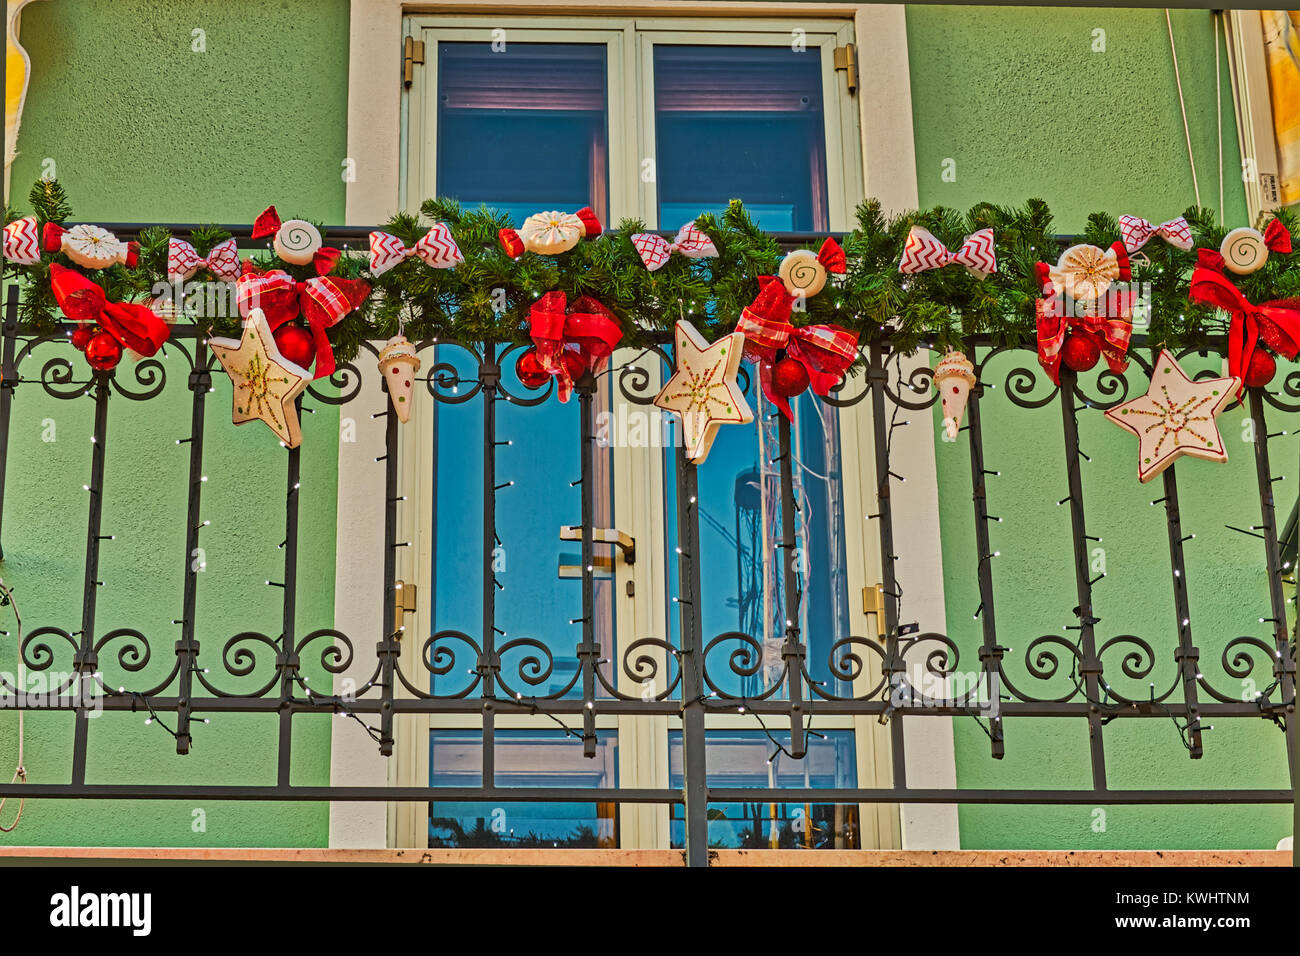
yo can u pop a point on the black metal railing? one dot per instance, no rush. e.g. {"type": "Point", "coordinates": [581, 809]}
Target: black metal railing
{"type": "Point", "coordinates": [692, 676]}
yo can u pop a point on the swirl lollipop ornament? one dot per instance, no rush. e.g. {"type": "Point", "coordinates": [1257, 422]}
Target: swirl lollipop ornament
{"type": "Point", "coordinates": [1245, 250]}
{"type": "Point", "coordinates": [296, 241]}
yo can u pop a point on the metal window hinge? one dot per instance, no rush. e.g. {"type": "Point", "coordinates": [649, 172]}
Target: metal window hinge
{"type": "Point", "coordinates": [846, 59]}
{"type": "Point", "coordinates": [404, 602]}
{"type": "Point", "coordinates": [412, 53]}
{"type": "Point", "coordinates": [873, 602]}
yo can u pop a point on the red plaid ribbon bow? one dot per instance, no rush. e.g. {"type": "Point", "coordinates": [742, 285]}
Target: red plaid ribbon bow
{"type": "Point", "coordinates": [23, 242]}
{"type": "Point", "coordinates": [573, 342]}
{"type": "Point", "coordinates": [1136, 232]}
{"type": "Point", "coordinates": [183, 260]}
{"type": "Point", "coordinates": [1277, 323]}
{"type": "Point", "coordinates": [825, 351]}
{"type": "Point", "coordinates": [436, 248]}
{"type": "Point", "coordinates": [137, 327]}
{"type": "Point", "coordinates": [321, 301]}
{"type": "Point", "coordinates": [924, 251]}
{"type": "Point", "coordinates": [1111, 333]}
{"type": "Point", "coordinates": [656, 250]}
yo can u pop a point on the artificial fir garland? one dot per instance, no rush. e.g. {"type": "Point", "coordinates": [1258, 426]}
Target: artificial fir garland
{"type": "Point", "coordinates": [488, 296]}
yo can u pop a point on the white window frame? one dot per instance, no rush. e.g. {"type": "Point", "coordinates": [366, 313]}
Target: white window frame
{"type": "Point", "coordinates": [878, 141]}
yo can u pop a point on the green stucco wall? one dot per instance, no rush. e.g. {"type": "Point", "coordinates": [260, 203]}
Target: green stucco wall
{"type": "Point", "coordinates": [1025, 108]}
{"type": "Point", "coordinates": [143, 129]}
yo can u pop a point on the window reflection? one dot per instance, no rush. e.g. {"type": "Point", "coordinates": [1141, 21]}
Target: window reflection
{"type": "Point", "coordinates": [524, 129]}
{"type": "Point", "coordinates": [739, 758]}
{"type": "Point", "coordinates": [524, 758]}
{"type": "Point", "coordinates": [745, 122]}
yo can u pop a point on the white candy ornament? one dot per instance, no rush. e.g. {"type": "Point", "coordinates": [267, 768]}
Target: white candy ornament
{"type": "Point", "coordinates": [93, 247]}
{"type": "Point", "coordinates": [954, 377]}
{"type": "Point", "coordinates": [802, 273]}
{"type": "Point", "coordinates": [1244, 250]}
{"type": "Point", "coordinates": [550, 233]}
{"type": "Point", "coordinates": [297, 241]}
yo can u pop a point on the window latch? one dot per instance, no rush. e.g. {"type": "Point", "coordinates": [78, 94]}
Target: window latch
{"type": "Point", "coordinates": [846, 59]}
{"type": "Point", "coordinates": [873, 602]}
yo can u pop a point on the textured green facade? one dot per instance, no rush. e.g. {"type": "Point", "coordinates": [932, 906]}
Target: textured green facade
{"type": "Point", "coordinates": [141, 127]}
{"type": "Point", "coordinates": [1025, 107]}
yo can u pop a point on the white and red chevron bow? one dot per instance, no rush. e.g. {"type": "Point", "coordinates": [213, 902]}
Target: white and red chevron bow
{"type": "Point", "coordinates": [1136, 231]}
{"type": "Point", "coordinates": [689, 241]}
{"type": "Point", "coordinates": [923, 251]}
{"type": "Point", "coordinates": [23, 241]}
{"type": "Point", "coordinates": [437, 248]}
{"type": "Point", "coordinates": [183, 260]}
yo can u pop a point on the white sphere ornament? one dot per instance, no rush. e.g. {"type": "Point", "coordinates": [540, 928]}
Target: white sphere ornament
{"type": "Point", "coordinates": [297, 241]}
{"type": "Point", "coordinates": [1244, 251]}
{"type": "Point", "coordinates": [802, 273]}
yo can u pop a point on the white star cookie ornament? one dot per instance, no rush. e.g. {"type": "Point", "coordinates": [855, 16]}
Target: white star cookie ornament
{"type": "Point", "coordinates": [1176, 417]}
{"type": "Point", "coordinates": [266, 383]}
{"type": "Point", "coordinates": [703, 390]}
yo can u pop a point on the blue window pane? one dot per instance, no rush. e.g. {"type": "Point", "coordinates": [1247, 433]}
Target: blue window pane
{"type": "Point", "coordinates": [539, 602]}
{"type": "Point", "coordinates": [741, 566]}
{"type": "Point", "coordinates": [741, 122]}
{"type": "Point", "coordinates": [739, 758]}
{"type": "Point", "coordinates": [524, 758]}
{"type": "Point", "coordinates": [524, 129]}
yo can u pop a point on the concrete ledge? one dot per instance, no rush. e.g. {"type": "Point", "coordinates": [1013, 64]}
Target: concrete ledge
{"type": "Point", "coordinates": [563, 857]}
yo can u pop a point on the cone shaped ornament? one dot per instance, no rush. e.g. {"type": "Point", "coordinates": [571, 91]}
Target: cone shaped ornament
{"type": "Point", "coordinates": [954, 377]}
{"type": "Point", "coordinates": [398, 363]}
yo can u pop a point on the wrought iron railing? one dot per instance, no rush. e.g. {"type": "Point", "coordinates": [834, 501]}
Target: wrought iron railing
{"type": "Point", "coordinates": [1059, 676]}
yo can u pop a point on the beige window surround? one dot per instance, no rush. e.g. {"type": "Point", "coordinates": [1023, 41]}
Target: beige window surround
{"type": "Point", "coordinates": [375, 143]}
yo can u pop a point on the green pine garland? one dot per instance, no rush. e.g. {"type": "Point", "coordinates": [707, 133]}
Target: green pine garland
{"type": "Point", "coordinates": [488, 296]}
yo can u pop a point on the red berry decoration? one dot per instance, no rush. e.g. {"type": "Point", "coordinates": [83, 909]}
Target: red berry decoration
{"type": "Point", "coordinates": [81, 336]}
{"type": "Point", "coordinates": [529, 369]}
{"type": "Point", "coordinates": [789, 378]}
{"type": "Point", "coordinates": [1080, 353]}
{"type": "Point", "coordinates": [103, 352]}
{"type": "Point", "coordinates": [1260, 369]}
{"type": "Point", "coordinates": [295, 343]}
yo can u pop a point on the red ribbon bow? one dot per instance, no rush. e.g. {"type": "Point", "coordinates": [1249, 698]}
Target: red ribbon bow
{"type": "Point", "coordinates": [1276, 322]}
{"type": "Point", "coordinates": [136, 327]}
{"type": "Point", "coordinates": [586, 335]}
{"type": "Point", "coordinates": [1110, 333]}
{"type": "Point", "coordinates": [825, 351]}
{"type": "Point", "coordinates": [322, 301]}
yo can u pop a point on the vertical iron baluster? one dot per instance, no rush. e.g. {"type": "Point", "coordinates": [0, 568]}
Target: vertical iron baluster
{"type": "Point", "coordinates": [489, 374]}
{"type": "Point", "coordinates": [694, 764]}
{"type": "Point", "coordinates": [892, 666]}
{"type": "Point", "coordinates": [990, 651]}
{"type": "Point", "coordinates": [793, 650]}
{"type": "Point", "coordinates": [390, 645]}
{"type": "Point", "coordinates": [8, 381]}
{"type": "Point", "coordinates": [1090, 667]}
{"type": "Point", "coordinates": [86, 661]}
{"type": "Point", "coordinates": [1283, 664]}
{"type": "Point", "coordinates": [187, 648]}
{"type": "Point", "coordinates": [287, 660]}
{"type": "Point", "coordinates": [1187, 654]}
{"type": "Point", "coordinates": [588, 650]}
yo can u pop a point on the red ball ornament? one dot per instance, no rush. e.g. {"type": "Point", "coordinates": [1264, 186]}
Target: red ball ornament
{"type": "Point", "coordinates": [295, 343]}
{"type": "Point", "coordinates": [529, 369]}
{"type": "Point", "coordinates": [103, 352]}
{"type": "Point", "coordinates": [574, 364]}
{"type": "Point", "coordinates": [789, 378]}
{"type": "Point", "coordinates": [81, 336]}
{"type": "Point", "coordinates": [1260, 369]}
{"type": "Point", "coordinates": [1080, 353]}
